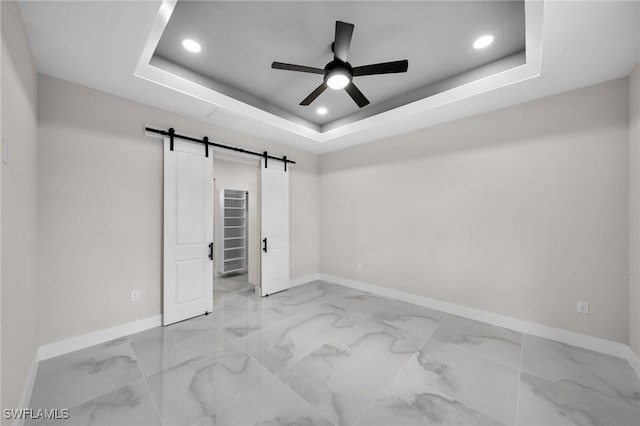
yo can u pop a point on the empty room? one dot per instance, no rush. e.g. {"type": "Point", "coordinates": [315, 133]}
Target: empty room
{"type": "Point", "coordinates": [336, 213]}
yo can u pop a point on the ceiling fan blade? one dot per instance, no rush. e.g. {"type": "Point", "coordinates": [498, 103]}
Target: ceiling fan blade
{"type": "Point", "coordinates": [313, 95]}
{"type": "Point", "coordinates": [382, 68]}
{"type": "Point", "coordinates": [300, 68]}
{"type": "Point", "coordinates": [344, 31]}
{"type": "Point", "coordinates": [357, 95]}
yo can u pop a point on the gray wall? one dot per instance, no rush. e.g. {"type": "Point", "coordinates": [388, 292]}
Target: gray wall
{"type": "Point", "coordinates": [520, 212]}
{"type": "Point", "coordinates": [19, 207]}
{"type": "Point", "coordinates": [100, 203]}
{"type": "Point", "coordinates": [634, 210]}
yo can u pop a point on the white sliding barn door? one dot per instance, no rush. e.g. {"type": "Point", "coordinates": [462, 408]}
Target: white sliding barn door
{"type": "Point", "coordinates": [275, 227]}
{"type": "Point", "coordinates": [188, 231]}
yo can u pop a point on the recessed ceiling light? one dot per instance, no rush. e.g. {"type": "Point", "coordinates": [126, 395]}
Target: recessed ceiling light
{"type": "Point", "coordinates": [191, 45]}
{"type": "Point", "coordinates": [322, 110]}
{"type": "Point", "coordinates": [483, 41]}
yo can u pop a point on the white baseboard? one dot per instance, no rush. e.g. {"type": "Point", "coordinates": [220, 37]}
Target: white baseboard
{"type": "Point", "coordinates": [61, 347]}
{"type": "Point", "coordinates": [25, 398]}
{"type": "Point", "coordinates": [634, 360]}
{"type": "Point", "coordinates": [608, 347]}
{"type": "Point", "coordinates": [303, 280]}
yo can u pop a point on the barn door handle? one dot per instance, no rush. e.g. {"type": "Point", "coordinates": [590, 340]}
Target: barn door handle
{"type": "Point", "coordinates": [264, 248]}
{"type": "Point", "coordinates": [210, 251]}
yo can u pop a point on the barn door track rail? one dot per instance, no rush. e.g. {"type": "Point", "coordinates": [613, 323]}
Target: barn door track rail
{"type": "Point", "coordinates": [206, 142]}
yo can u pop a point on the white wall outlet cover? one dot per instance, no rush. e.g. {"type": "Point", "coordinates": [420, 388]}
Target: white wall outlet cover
{"type": "Point", "coordinates": [135, 295]}
{"type": "Point", "coordinates": [582, 307]}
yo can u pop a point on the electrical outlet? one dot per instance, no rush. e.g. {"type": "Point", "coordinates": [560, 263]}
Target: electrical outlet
{"type": "Point", "coordinates": [582, 307]}
{"type": "Point", "coordinates": [135, 295]}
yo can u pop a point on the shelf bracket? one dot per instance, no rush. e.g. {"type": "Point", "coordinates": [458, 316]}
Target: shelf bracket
{"type": "Point", "coordinates": [284, 160]}
{"type": "Point", "coordinates": [206, 146]}
{"type": "Point", "coordinates": [266, 158]}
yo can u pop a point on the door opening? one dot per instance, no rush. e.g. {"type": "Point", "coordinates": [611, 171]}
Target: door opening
{"type": "Point", "coordinates": [237, 224]}
{"type": "Point", "coordinates": [227, 236]}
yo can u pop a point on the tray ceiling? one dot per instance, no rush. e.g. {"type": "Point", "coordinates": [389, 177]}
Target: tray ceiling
{"type": "Point", "coordinates": [240, 40]}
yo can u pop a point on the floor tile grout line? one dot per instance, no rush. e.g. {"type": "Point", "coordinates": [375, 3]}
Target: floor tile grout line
{"type": "Point", "coordinates": [113, 388]}
{"type": "Point", "coordinates": [604, 398]}
{"type": "Point", "coordinates": [339, 346]}
{"type": "Point", "coordinates": [382, 392]}
{"type": "Point", "coordinates": [280, 321]}
{"type": "Point", "coordinates": [203, 355]}
{"type": "Point", "coordinates": [484, 357]}
{"type": "Point", "coordinates": [292, 316]}
{"type": "Point", "coordinates": [404, 334]}
{"type": "Point", "coordinates": [273, 375]}
{"type": "Point", "coordinates": [227, 341]}
{"type": "Point", "coordinates": [464, 401]}
{"type": "Point", "coordinates": [608, 399]}
{"type": "Point", "coordinates": [436, 391]}
{"type": "Point", "coordinates": [285, 316]}
{"type": "Point", "coordinates": [233, 400]}
{"type": "Point", "coordinates": [322, 341]}
{"type": "Point", "coordinates": [519, 383]}
{"type": "Point", "coordinates": [325, 341]}
{"type": "Point", "coordinates": [444, 321]}
{"type": "Point", "coordinates": [366, 315]}
{"type": "Point", "coordinates": [95, 397]}
{"type": "Point", "coordinates": [146, 384]}
{"type": "Point", "coordinates": [237, 347]}
{"type": "Point", "coordinates": [268, 372]}
{"type": "Point", "coordinates": [585, 352]}
{"type": "Point", "coordinates": [456, 348]}
{"type": "Point", "coordinates": [315, 410]}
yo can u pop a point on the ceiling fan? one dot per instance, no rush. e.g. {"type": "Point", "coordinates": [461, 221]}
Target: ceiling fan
{"type": "Point", "coordinates": [338, 74]}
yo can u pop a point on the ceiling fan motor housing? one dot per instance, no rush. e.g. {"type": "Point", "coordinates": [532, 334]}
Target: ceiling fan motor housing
{"type": "Point", "coordinates": [338, 64]}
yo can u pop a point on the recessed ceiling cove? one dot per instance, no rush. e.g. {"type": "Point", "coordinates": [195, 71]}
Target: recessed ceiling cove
{"type": "Point", "coordinates": [240, 40]}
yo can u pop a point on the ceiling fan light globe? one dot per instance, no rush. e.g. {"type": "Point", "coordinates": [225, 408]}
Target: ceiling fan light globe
{"type": "Point", "coordinates": [338, 80]}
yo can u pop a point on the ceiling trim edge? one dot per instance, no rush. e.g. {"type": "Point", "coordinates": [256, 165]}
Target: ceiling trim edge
{"type": "Point", "coordinates": [534, 10]}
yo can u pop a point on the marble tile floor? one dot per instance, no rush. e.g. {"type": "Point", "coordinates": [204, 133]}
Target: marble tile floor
{"type": "Point", "coordinates": [322, 354]}
{"type": "Point", "coordinates": [232, 283]}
